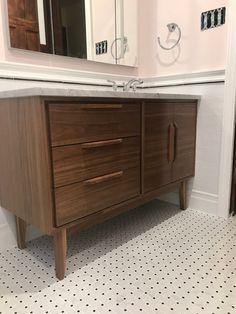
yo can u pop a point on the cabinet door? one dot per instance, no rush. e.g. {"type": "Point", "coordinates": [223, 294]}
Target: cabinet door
{"type": "Point", "coordinates": [185, 137]}
{"type": "Point", "coordinates": [157, 167]}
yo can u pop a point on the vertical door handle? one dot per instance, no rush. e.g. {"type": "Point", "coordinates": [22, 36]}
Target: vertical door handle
{"type": "Point", "coordinates": [171, 148]}
{"type": "Point", "coordinates": [175, 140]}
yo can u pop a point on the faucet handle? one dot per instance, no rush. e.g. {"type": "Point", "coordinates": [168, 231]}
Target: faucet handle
{"type": "Point", "coordinates": [114, 85]}
{"type": "Point", "coordinates": [135, 84]}
{"type": "Point", "coordinates": [124, 86]}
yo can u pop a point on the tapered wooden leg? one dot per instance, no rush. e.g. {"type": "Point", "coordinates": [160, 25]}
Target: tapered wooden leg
{"type": "Point", "coordinates": [20, 233]}
{"type": "Point", "coordinates": [60, 249]}
{"type": "Point", "coordinates": [183, 195]}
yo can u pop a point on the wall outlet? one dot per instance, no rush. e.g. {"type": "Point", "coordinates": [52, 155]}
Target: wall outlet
{"type": "Point", "coordinates": [101, 47]}
{"type": "Point", "coordinates": [213, 18]}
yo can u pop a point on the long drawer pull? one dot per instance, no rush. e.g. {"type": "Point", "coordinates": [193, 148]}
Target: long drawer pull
{"type": "Point", "coordinates": [102, 143]}
{"type": "Point", "coordinates": [171, 148]}
{"type": "Point", "coordinates": [104, 178]}
{"type": "Point", "coordinates": [100, 106]}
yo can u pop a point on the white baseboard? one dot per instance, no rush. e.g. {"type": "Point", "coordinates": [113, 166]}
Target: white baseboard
{"type": "Point", "coordinates": [8, 236]}
{"type": "Point", "coordinates": [205, 202]}
{"type": "Point", "coordinates": [198, 200]}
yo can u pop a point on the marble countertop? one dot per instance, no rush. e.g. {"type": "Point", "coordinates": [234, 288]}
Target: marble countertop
{"type": "Point", "coordinates": [69, 92]}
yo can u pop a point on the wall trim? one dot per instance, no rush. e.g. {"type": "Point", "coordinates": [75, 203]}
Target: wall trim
{"type": "Point", "coordinates": [185, 79]}
{"type": "Point", "coordinates": [205, 202]}
{"type": "Point", "coordinates": [30, 72]}
{"type": "Point", "coordinates": [198, 200]}
{"type": "Point", "coordinates": [209, 196]}
{"type": "Point", "coordinates": [22, 71]}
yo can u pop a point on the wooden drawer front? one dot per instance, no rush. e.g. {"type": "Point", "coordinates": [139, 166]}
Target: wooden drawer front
{"type": "Point", "coordinates": [81, 199]}
{"type": "Point", "coordinates": [80, 162]}
{"type": "Point", "coordinates": [80, 123]}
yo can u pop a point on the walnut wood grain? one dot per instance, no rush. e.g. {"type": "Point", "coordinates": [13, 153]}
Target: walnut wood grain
{"type": "Point", "coordinates": [103, 215]}
{"type": "Point", "coordinates": [185, 124]}
{"type": "Point", "coordinates": [176, 131]}
{"type": "Point", "coordinates": [106, 151]}
{"type": "Point", "coordinates": [169, 156]}
{"type": "Point", "coordinates": [102, 143]}
{"type": "Point", "coordinates": [157, 168]}
{"type": "Point", "coordinates": [183, 195]}
{"type": "Point", "coordinates": [104, 178]}
{"type": "Point", "coordinates": [60, 250]}
{"type": "Point", "coordinates": [142, 149]}
{"type": "Point", "coordinates": [101, 106]}
{"type": "Point", "coordinates": [20, 233]}
{"type": "Point", "coordinates": [80, 199]}
{"type": "Point", "coordinates": [70, 124]}
{"type": "Point", "coordinates": [25, 166]}
{"type": "Point", "coordinates": [75, 163]}
{"type": "Point", "coordinates": [171, 149]}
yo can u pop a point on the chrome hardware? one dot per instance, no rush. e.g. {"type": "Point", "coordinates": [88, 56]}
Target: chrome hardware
{"type": "Point", "coordinates": [124, 47]}
{"type": "Point", "coordinates": [114, 85]}
{"type": "Point", "coordinates": [171, 27]}
{"type": "Point", "coordinates": [133, 83]}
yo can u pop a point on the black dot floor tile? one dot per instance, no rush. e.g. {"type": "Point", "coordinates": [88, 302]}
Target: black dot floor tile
{"type": "Point", "coordinates": [154, 259]}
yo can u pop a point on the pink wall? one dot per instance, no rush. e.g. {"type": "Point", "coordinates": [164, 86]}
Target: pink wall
{"type": "Point", "coordinates": [20, 56]}
{"type": "Point", "coordinates": [198, 51]}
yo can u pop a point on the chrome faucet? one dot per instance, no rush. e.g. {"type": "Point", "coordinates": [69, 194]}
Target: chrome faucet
{"type": "Point", "coordinates": [132, 84]}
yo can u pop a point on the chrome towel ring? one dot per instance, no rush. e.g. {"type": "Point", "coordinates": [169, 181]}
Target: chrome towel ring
{"type": "Point", "coordinates": [171, 27]}
{"type": "Point", "coordinates": [124, 47]}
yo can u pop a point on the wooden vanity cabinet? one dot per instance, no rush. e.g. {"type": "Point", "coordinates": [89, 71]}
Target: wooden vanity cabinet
{"type": "Point", "coordinates": [169, 142]}
{"type": "Point", "coordinates": [69, 163]}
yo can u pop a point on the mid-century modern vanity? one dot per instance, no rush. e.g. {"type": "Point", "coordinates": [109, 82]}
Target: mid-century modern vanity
{"type": "Point", "coordinates": [67, 163]}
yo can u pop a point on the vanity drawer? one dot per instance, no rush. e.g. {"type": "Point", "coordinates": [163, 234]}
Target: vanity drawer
{"type": "Point", "coordinates": [75, 163]}
{"type": "Point", "coordinates": [81, 199]}
{"type": "Point", "coordinates": [74, 123]}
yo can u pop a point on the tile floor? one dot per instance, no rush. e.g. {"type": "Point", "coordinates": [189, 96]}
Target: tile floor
{"type": "Point", "coordinates": [154, 259]}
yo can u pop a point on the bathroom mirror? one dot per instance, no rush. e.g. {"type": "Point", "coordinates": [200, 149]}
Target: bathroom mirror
{"type": "Point", "coordinates": [96, 30]}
